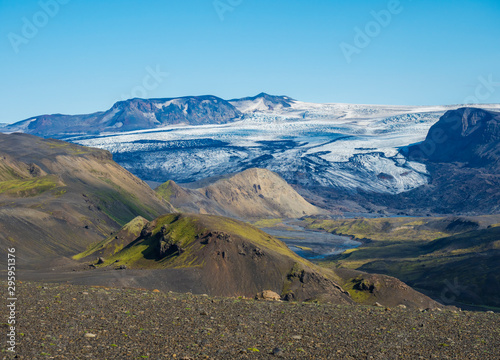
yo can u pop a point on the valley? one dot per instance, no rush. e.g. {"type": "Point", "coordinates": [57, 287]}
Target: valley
{"type": "Point", "coordinates": [453, 260]}
{"type": "Point", "coordinates": [228, 179]}
{"type": "Point", "coordinates": [281, 204]}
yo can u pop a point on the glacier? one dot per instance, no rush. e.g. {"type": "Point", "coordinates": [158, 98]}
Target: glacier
{"type": "Point", "coordinates": [342, 146]}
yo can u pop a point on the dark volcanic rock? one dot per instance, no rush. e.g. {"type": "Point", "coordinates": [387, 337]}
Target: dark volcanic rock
{"type": "Point", "coordinates": [166, 245]}
{"type": "Point", "coordinates": [230, 257]}
{"type": "Point", "coordinates": [466, 135]}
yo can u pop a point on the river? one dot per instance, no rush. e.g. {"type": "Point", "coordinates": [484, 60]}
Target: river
{"type": "Point", "coordinates": [311, 244]}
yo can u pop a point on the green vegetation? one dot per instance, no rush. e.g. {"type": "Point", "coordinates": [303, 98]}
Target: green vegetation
{"type": "Point", "coordinates": [68, 147]}
{"type": "Point", "coordinates": [133, 229]}
{"type": "Point", "coordinates": [29, 187]}
{"type": "Point", "coordinates": [384, 229]}
{"type": "Point", "coordinates": [358, 289]}
{"type": "Point", "coordinates": [454, 269]}
{"type": "Point", "coordinates": [165, 190]}
{"type": "Point", "coordinates": [183, 230]}
{"type": "Point", "coordinates": [142, 252]}
{"type": "Point", "coordinates": [305, 248]}
{"type": "Point", "coordinates": [8, 172]}
{"type": "Point", "coordinates": [268, 223]}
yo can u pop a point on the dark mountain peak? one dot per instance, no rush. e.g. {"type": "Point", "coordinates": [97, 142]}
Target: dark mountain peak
{"type": "Point", "coordinates": [142, 105]}
{"type": "Point", "coordinates": [467, 120]}
{"type": "Point", "coordinates": [139, 102]}
{"type": "Point", "coordinates": [467, 135]}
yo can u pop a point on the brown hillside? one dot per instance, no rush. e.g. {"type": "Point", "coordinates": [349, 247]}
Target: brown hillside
{"type": "Point", "coordinates": [251, 194]}
{"type": "Point", "coordinates": [56, 198]}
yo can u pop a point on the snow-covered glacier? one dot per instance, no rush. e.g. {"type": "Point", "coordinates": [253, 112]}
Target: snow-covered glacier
{"type": "Point", "coordinates": [343, 146]}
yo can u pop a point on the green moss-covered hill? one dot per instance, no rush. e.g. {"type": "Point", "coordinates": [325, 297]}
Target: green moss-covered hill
{"type": "Point", "coordinates": [233, 258]}
{"type": "Point", "coordinates": [56, 198]}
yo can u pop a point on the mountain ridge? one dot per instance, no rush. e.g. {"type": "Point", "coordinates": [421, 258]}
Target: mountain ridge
{"type": "Point", "coordinates": [142, 114]}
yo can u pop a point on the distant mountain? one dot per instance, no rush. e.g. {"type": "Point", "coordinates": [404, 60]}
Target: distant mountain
{"type": "Point", "coordinates": [262, 102]}
{"type": "Point", "coordinates": [218, 256]}
{"type": "Point", "coordinates": [56, 198]}
{"type": "Point", "coordinates": [466, 135]}
{"type": "Point", "coordinates": [345, 157]}
{"type": "Point", "coordinates": [461, 153]}
{"type": "Point", "coordinates": [143, 114]}
{"type": "Point", "coordinates": [129, 115]}
{"type": "Point", "coordinates": [253, 193]}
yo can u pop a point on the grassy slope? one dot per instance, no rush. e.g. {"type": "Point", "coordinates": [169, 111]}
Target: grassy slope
{"type": "Point", "coordinates": [56, 198]}
{"type": "Point", "coordinates": [29, 187]}
{"type": "Point", "coordinates": [165, 190]}
{"type": "Point", "coordinates": [231, 257]}
{"type": "Point", "coordinates": [383, 229]}
{"type": "Point", "coordinates": [110, 245]}
{"type": "Point", "coordinates": [183, 230]}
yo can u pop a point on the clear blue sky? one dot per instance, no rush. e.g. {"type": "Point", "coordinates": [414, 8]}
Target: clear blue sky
{"type": "Point", "coordinates": [92, 53]}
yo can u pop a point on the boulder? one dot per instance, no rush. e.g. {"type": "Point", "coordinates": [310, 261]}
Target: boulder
{"type": "Point", "coordinates": [267, 295]}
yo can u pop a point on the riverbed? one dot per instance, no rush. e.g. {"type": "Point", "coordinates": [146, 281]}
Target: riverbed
{"type": "Point", "coordinates": [311, 244]}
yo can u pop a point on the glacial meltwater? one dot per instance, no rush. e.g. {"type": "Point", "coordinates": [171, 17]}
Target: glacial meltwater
{"type": "Point", "coordinates": [311, 244]}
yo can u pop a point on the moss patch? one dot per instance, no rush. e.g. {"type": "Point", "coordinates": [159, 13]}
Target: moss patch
{"type": "Point", "coordinates": [268, 223]}
{"type": "Point", "coordinates": [133, 229]}
{"type": "Point", "coordinates": [165, 190]}
{"type": "Point", "coordinates": [382, 229]}
{"type": "Point", "coordinates": [184, 230]}
{"type": "Point", "coordinates": [29, 187]}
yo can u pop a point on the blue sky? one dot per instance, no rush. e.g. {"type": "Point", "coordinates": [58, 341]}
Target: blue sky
{"type": "Point", "coordinates": [83, 56]}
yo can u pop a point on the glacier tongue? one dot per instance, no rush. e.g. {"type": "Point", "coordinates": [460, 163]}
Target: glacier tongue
{"type": "Point", "coordinates": [333, 145]}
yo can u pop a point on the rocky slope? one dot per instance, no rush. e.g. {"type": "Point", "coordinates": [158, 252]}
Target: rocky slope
{"type": "Point", "coordinates": [462, 155]}
{"type": "Point", "coordinates": [231, 258]}
{"type": "Point", "coordinates": [253, 193]}
{"type": "Point", "coordinates": [56, 197]}
{"type": "Point", "coordinates": [382, 290]}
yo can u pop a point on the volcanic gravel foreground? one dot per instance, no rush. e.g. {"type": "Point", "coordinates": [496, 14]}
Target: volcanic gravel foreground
{"type": "Point", "coordinates": [83, 322]}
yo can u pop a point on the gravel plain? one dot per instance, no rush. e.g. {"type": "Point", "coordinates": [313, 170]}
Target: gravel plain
{"type": "Point", "coordinates": [61, 321]}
